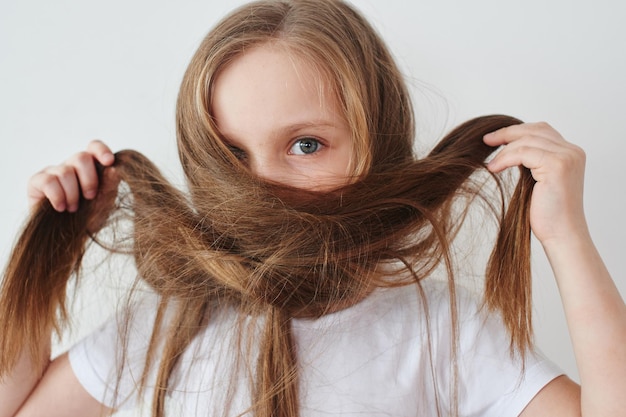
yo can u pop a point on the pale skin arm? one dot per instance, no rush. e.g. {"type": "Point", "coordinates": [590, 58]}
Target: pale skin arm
{"type": "Point", "coordinates": [594, 309]}
{"type": "Point", "coordinates": [55, 391]}
{"type": "Point", "coordinates": [15, 388]}
{"type": "Point", "coordinates": [60, 394]}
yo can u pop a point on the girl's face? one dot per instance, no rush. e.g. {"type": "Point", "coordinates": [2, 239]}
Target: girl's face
{"type": "Point", "coordinates": [281, 119]}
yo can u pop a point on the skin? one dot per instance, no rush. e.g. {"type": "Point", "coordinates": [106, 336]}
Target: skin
{"type": "Point", "coordinates": [269, 115]}
{"type": "Point", "coordinates": [268, 104]}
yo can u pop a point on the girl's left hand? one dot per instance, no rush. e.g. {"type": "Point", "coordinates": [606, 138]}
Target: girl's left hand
{"type": "Point", "coordinates": [558, 166]}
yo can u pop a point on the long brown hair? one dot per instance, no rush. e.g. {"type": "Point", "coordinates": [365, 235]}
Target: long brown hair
{"type": "Point", "coordinates": [273, 251]}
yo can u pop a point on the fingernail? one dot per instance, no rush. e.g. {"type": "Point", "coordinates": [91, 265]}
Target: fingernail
{"type": "Point", "coordinates": [73, 208]}
{"type": "Point", "coordinates": [89, 194]}
{"type": "Point", "coordinates": [108, 158]}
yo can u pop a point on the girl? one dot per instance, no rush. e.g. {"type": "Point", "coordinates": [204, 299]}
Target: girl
{"type": "Point", "coordinates": [294, 278]}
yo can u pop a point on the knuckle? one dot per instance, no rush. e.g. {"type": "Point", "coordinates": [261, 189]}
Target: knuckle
{"type": "Point", "coordinates": [44, 183]}
{"type": "Point", "coordinates": [579, 152]}
{"type": "Point", "coordinates": [96, 146]}
{"type": "Point", "coordinates": [65, 171]}
{"type": "Point", "coordinates": [83, 158]}
{"type": "Point", "coordinates": [36, 177]}
{"type": "Point", "coordinates": [47, 179]}
{"type": "Point", "coordinates": [77, 158]}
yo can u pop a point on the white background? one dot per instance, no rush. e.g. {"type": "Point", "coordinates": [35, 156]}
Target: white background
{"type": "Point", "coordinates": [73, 70]}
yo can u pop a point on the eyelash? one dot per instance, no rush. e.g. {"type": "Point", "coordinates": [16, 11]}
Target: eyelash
{"type": "Point", "coordinates": [241, 154]}
{"type": "Point", "coordinates": [298, 143]}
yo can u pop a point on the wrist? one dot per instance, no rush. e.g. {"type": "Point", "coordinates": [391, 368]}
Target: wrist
{"type": "Point", "coordinates": [576, 238]}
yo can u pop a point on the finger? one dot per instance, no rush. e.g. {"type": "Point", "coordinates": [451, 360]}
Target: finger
{"type": "Point", "coordinates": [539, 142]}
{"type": "Point", "coordinates": [527, 156]}
{"type": "Point", "coordinates": [45, 185]}
{"type": "Point", "coordinates": [34, 190]}
{"type": "Point", "coordinates": [101, 152]}
{"type": "Point", "coordinates": [84, 167]}
{"type": "Point", "coordinates": [66, 177]}
{"type": "Point", "coordinates": [565, 162]}
{"type": "Point", "coordinates": [513, 133]}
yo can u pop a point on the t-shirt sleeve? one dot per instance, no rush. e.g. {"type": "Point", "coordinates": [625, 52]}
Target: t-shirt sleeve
{"type": "Point", "coordinates": [108, 372]}
{"type": "Point", "coordinates": [493, 383]}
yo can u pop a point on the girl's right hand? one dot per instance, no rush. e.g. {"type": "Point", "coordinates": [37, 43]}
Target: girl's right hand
{"type": "Point", "coordinates": [64, 184]}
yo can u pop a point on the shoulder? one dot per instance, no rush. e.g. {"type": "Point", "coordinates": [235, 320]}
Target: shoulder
{"type": "Point", "coordinates": [59, 386]}
{"type": "Point", "coordinates": [561, 397]}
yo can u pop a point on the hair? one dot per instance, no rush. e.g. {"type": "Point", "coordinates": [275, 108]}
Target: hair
{"type": "Point", "coordinates": [269, 250]}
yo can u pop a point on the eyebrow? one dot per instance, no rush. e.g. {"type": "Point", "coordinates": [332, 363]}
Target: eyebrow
{"type": "Point", "coordinates": [295, 127]}
{"type": "Point", "coordinates": [286, 130]}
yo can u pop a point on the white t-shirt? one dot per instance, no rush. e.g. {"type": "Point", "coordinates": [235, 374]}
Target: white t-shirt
{"type": "Point", "coordinates": [373, 359]}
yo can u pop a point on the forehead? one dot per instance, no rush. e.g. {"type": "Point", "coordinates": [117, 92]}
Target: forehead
{"type": "Point", "coordinates": [270, 84]}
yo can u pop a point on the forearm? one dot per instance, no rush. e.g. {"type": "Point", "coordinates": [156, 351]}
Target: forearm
{"type": "Point", "coordinates": [596, 317]}
{"type": "Point", "coordinates": [19, 384]}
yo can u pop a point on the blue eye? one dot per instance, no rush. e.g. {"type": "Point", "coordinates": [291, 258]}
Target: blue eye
{"type": "Point", "coordinates": [305, 146]}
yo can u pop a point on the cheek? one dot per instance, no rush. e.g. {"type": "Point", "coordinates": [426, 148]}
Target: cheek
{"type": "Point", "coordinates": [335, 174]}
{"type": "Point", "coordinates": [343, 160]}
{"type": "Point", "coordinates": [319, 176]}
